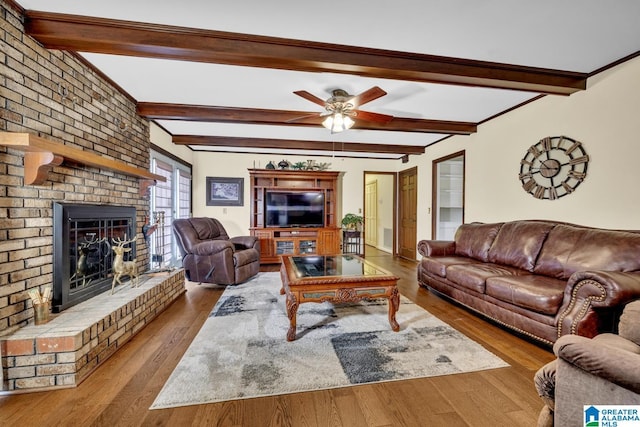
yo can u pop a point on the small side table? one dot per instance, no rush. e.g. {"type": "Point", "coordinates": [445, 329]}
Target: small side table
{"type": "Point", "coordinates": [352, 242]}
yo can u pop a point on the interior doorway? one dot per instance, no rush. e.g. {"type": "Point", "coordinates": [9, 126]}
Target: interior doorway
{"type": "Point", "coordinates": [379, 214]}
{"type": "Point", "coordinates": [371, 213]}
{"type": "Point", "coordinates": [448, 196]}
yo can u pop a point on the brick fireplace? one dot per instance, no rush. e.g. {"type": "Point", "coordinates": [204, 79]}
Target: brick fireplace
{"type": "Point", "coordinates": [83, 235]}
{"type": "Point", "coordinates": [58, 96]}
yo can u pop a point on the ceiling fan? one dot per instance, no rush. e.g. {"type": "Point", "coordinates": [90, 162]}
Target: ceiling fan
{"type": "Point", "coordinates": [341, 108]}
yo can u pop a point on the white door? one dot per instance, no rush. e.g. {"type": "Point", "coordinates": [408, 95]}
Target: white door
{"type": "Point", "coordinates": [371, 214]}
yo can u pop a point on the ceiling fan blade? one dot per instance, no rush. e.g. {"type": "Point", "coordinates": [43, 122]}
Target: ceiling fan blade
{"type": "Point", "coordinates": [306, 116]}
{"type": "Point", "coordinates": [310, 97]}
{"type": "Point", "coordinates": [373, 117]}
{"type": "Point", "coordinates": [367, 96]}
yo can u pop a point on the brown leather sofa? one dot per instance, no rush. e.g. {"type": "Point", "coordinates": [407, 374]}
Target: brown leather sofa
{"type": "Point", "coordinates": [210, 256]}
{"type": "Point", "coordinates": [543, 279]}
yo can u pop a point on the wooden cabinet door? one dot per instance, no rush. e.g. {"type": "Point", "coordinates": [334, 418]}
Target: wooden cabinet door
{"type": "Point", "coordinates": [328, 242]}
{"type": "Point", "coordinates": [266, 243]}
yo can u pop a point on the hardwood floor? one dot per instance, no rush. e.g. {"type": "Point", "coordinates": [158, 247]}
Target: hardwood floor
{"type": "Point", "coordinates": [120, 392]}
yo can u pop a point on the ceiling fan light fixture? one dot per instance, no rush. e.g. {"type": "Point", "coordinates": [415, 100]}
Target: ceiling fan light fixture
{"type": "Point", "coordinates": [341, 108]}
{"type": "Point", "coordinates": [338, 122]}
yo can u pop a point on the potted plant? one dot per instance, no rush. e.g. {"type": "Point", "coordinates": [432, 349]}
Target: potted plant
{"type": "Point", "coordinates": [352, 221]}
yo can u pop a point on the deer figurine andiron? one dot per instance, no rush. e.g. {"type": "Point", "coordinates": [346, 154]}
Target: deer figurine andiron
{"type": "Point", "coordinates": [122, 267]}
{"type": "Point", "coordinates": [83, 267]}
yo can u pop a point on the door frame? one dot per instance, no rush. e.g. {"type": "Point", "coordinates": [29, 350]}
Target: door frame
{"type": "Point", "coordinates": [395, 203]}
{"type": "Point", "coordinates": [434, 186]}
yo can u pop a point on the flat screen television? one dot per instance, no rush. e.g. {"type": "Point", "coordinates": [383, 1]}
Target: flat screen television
{"type": "Point", "coordinates": [294, 209]}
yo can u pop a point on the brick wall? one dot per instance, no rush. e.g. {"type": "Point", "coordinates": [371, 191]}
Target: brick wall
{"type": "Point", "coordinates": [55, 95]}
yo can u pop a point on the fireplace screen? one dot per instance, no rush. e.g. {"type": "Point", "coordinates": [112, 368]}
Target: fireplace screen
{"type": "Point", "coordinates": [83, 236]}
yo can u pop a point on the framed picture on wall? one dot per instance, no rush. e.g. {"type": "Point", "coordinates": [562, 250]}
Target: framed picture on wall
{"type": "Point", "coordinates": [225, 191]}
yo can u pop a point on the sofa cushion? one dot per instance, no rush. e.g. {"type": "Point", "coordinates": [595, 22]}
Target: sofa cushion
{"type": "Point", "coordinates": [538, 293]}
{"type": "Point", "coordinates": [605, 250]}
{"type": "Point", "coordinates": [473, 276]}
{"type": "Point", "coordinates": [518, 243]}
{"type": "Point", "coordinates": [556, 250]}
{"type": "Point", "coordinates": [629, 325]}
{"type": "Point", "coordinates": [569, 249]}
{"type": "Point", "coordinates": [438, 265]}
{"type": "Point", "coordinates": [474, 240]}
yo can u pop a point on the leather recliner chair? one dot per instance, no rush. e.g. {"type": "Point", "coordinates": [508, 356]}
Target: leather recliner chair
{"type": "Point", "coordinates": [604, 370]}
{"type": "Point", "coordinates": [210, 256]}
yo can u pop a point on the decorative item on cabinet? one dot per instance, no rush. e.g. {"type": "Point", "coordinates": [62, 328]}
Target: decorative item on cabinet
{"type": "Point", "coordinates": [311, 165]}
{"type": "Point", "coordinates": [299, 165]}
{"type": "Point", "coordinates": [270, 165]}
{"type": "Point", "coordinates": [283, 164]}
{"type": "Point", "coordinates": [322, 166]}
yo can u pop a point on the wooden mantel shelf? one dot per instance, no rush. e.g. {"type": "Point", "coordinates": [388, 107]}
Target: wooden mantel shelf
{"type": "Point", "coordinates": [41, 155]}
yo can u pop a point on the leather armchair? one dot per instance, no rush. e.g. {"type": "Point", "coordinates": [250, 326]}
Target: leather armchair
{"type": "Point", "coordinates": [604, 370]}
{"type": "Point", "coordinates": [209, 255]}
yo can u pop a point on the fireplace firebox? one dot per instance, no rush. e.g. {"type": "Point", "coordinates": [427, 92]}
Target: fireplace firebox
{"type": "Point", "coordinates": [82, 255]}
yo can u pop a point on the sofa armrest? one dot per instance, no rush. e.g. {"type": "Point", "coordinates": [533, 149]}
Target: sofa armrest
{"type": "Point", "coordinates": [211, 247]}
{"type": "Point", "coordinates": [620, 287]}
{"type": "Point", "coordinates": [590, 294]}
{"type": "Point", "coordinates": [244, 242]}
{"type": "Point", "coordinates": [436, 247]}
{"type": "Point", "coordinates": [613, 364]}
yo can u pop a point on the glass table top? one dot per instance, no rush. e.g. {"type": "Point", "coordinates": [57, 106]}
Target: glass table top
{"type": "Point", "coordinates": [333, 265]}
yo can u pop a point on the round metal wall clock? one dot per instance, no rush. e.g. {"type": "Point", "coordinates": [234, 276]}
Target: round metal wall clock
{"type": "Point", "coordinates": [554, 167]}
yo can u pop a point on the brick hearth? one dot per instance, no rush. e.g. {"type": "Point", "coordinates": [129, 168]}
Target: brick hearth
{"type": "Point", "coordinates": [64, 351]}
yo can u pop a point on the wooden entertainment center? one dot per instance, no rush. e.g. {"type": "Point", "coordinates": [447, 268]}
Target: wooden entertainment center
{"type": "Point", "coordinates": [276, 241]}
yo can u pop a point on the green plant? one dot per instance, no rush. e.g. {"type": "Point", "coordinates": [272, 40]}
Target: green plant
{"type": "Point", "coordinates": [352, 221]}
{"type": "Point", "coordinates": [299, 165]}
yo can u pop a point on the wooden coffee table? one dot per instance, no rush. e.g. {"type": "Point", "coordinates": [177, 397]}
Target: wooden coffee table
{"type": "Point", "coordinates": [336, 278]}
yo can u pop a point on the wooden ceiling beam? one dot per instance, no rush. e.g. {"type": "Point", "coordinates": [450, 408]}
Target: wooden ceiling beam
{"type": "Point", "coordinates": [99, 35]}
{"type": "Point", "coordinates": [204, 113]}
{"type": "Point", "coordinates": [290, 144]}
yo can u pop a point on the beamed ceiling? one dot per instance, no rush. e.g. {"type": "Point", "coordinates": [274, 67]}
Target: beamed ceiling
{"type": "Point", "coordinates": [221, 76]}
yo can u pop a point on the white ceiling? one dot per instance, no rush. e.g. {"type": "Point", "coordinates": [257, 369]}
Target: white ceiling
{"type": "Point", "coordinates": [570, 35]}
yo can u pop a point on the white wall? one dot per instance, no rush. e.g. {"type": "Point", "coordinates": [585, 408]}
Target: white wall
{"type": "Point", "coordinates": [163, 140]}
{"type": "Point", "coordinates": [236, 218]}
{"type": "Point", "coordinates": [605, 118]}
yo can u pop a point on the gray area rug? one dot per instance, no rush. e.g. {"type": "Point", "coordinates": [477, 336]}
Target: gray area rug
{"type": "Point", "coordinates": [242, 352]}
